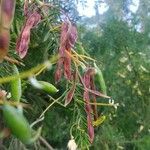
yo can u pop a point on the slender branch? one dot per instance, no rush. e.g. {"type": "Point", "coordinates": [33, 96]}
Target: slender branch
{"type": "Point", "coordinates": [51, 104]}
{"type": "Point", "coordinates": [98, 104]}
{"type": "Point", "coordinates": [47, 108]}
{"type": "Point", "coordinates": [46, 143]}
{"type": "Point", "coordinates": [37, 121]}
{"type": "Point", "coordinates": [29, 72]}
{"type": "Point", "coordinates": [13, 61]}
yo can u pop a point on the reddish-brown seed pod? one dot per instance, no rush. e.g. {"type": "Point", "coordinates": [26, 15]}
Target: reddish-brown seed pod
{"type": "Point", "coordinates": [7, 8]}
{"type": "Point", "coordinates": [86, 96]}
{"type": "Point", "coordinates": [26, 3]}
{"type": "Point", "coordinates": [24, 38]}
{"type": "Point", "coordinates": [4, 43]}
{"type": "Point", "coordinates": [59, 70]}
{"type": "Point", "coordinates": [89, 117]}
{"type": "Point", "coordinates": [7, 12]}
{"type": "Point", "coordinates": [70, 94]}
{"type": "Point", "coordinates": [68, 38]}
{"type": "Point", "coordinates": [90, 129]}
{"type": "Point", "coordinates": [67, 67]}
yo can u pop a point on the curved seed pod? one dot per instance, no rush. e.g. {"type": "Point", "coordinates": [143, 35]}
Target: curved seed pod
{"type": "Point", "coordinates": [100, 79]}
{"type": "Point", "coordinates": [70, 94]}
{"type": "Point", "coordinates": [17, 123]}
{"type": "Point", "coordinates": [48, 87]}
{"type": "Point", "coordinates": [16, 86]}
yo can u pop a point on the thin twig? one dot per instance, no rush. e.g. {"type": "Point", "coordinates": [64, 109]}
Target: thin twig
{"type": "Point", "coordinates": [37, 121]}
{"type": "Point", "coordinates": [46, 143]}
{"type": "Point", "coordinates": [13, 61]}
{"type": "Point", "coordinates": [47, 108]}
{"type": "Point", "coordinates": [98, 104]}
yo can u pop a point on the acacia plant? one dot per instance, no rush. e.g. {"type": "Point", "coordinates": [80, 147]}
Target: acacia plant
{"type": "Point", "coordinates": [44, 64]}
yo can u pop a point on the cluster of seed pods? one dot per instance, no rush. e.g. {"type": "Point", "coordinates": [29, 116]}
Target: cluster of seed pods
{"type": "Point", "coordinates": [68, 38]}
{"type": "Point", "coordinates": [67, 41]}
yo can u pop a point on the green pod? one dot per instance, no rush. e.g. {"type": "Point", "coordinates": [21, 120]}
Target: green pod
{"type": "Point", "coordinates": [15, 86]}
{"type": "Point", "coordinates": [48, 87]}
{"type": "Point", "coordinates": [100, 79]}
{"type": "Point", "coordinates": [17, 123]}
{"type": "Point", "coordinates": [45, 86]}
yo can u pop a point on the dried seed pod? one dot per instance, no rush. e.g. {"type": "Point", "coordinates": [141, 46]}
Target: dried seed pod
{"type": "Point", "coordinates": [90, 129]}
{"type": "Point", "coordinates": [7, 8]}
{"type": "Point", "coordinates": [87, 83]}
{"type": "Point", "coordinates": [7, 12]}
{"type": "Point", "coordinates": [70, 94]}
{"type": "Point", "coordinates": [4, 43]}
{"type": "Point", "coordinates": [23, 40]}
{"type": "Point", "coordinates": [67, 40]}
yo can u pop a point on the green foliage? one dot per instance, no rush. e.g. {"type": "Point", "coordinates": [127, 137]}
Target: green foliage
{"type": "Point", "coordinates": [124, 55]}
{"type": "Point", "coordinates": [121, 52]}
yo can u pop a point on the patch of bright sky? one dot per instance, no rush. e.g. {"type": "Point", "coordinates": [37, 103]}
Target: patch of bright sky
{"type": "Point", "coordinates": [133, 7]}
{"type": "Point", "coordinates": [89, 9]}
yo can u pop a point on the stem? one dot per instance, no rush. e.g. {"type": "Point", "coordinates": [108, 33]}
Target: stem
{"type": "Point", "coordinates": [13, 61]}
{"type": "Point", "coordinates": [37, 121]}
{"type": "Point", "coordinates": [29, 72]}
{"type": "Point", "coordinates": [72, 129]}
{"type": "Point", "coordinates": [46, 143]}
{"type": "Point", "coordinates": [48, 108]}
{"type": "Point", "coordinates": [98, 104]}
{"type": "Point", "coordinates": [54, 101]}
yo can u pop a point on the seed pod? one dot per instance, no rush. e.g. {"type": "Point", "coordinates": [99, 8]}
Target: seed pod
{"type": "Point", "coordinates": [48, 87]}
{"type": "Point", "coordinates": [17, 123]}
{"type": "Point", "coordinates": [7, 8]}
{"type": "Point", "coordinates": [70, 94]}
{"type": "Point", "coordinates": [90, 128]}
{"type": "Point", "coordinates": [45, 86]}
{"type": "Point", "coordinates": [7, 12]}
{"type": "Point", "coordinates": [16, 86]}
{"type": "Point", "coordinates": [99, 121]}
{"type": "Point", "coordinates": [4, 43]}
{"type": "Point", "coordinates": [100, 79]}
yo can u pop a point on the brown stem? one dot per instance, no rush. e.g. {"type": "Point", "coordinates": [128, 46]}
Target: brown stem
{"type": "Point", "coordinates": [46, 143]}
